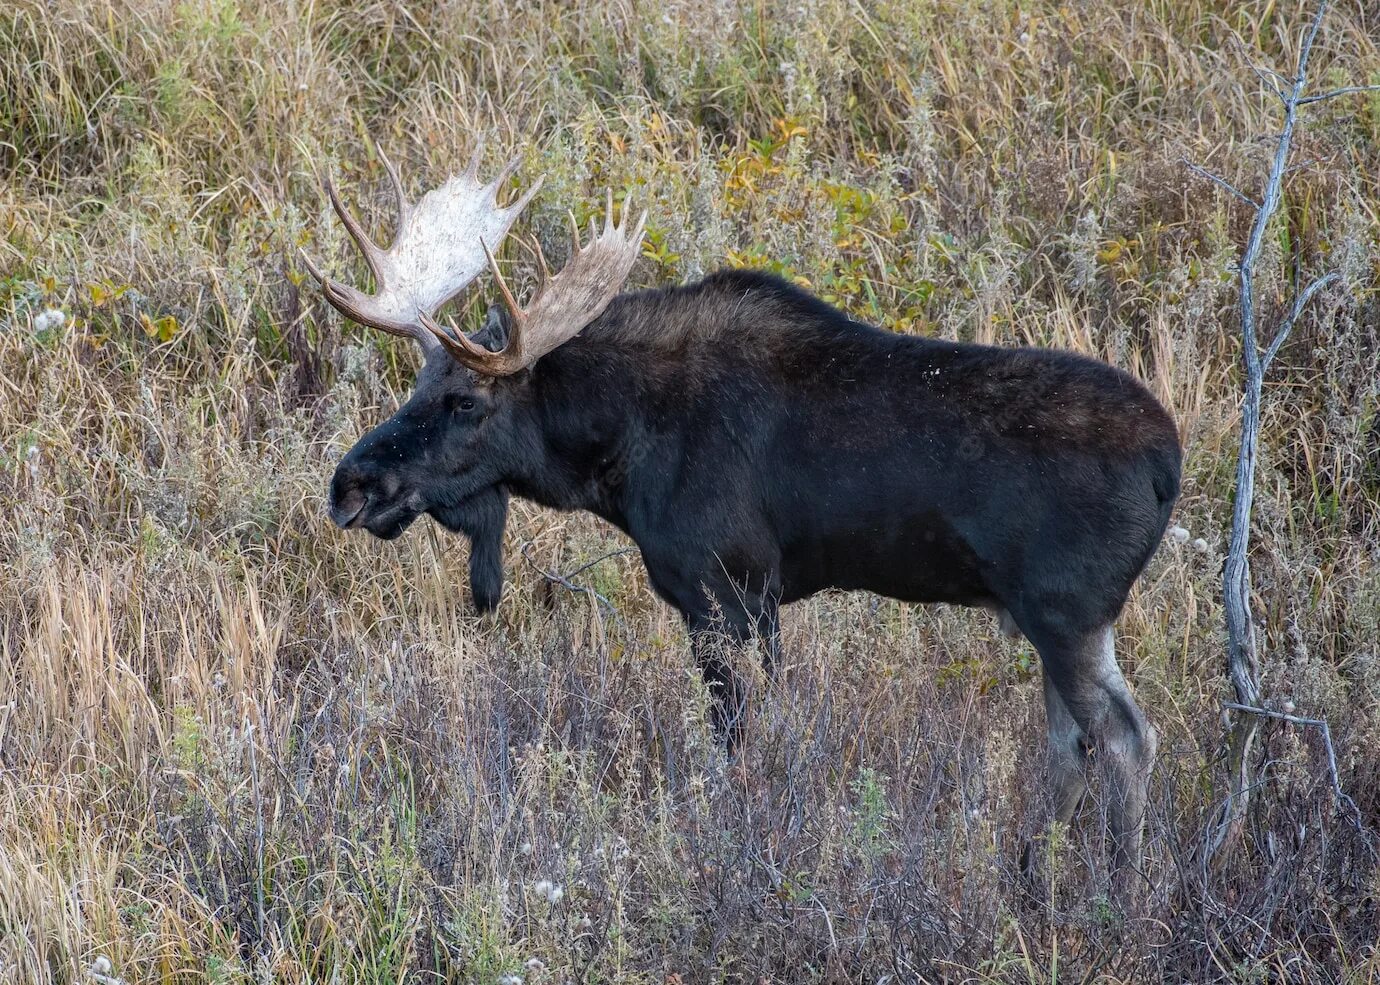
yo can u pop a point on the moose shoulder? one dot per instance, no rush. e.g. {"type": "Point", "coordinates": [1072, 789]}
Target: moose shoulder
{"type": "Point", "coordinates": [760, 446]}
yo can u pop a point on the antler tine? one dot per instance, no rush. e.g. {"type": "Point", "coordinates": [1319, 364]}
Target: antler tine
{"type": "Point", "coordinates": [472, 169]}
{"type": "Point", "coordinates": [366, 245]}
{"type": "Point", "coordinates": [456, 342]}
{"type": "Point", "coordinates": [503, 175]}
{"type": "Point", "coordinates": [399, 194]}
{"type": "Point", "coordinates": [541, 258]}
{"type": "Point", "coordinates": [508, 299]}
{"type": "Point", "coordinates": [638, 230]}
{"type": "Point", "coordinates": [574, 232]}
{"type": "Point", "coordinates": [316, 272]}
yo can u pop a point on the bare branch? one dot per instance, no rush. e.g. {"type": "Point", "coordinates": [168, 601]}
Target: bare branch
{"type": "Point", "coordinates": [1287, 324]}
{"type": "Point", "coordinates": [1343, 91]}
{"type": "Point", "coordinates": [1204, 172]}
{"type": "Point", "coordinates": [1242, 656]}
{"type": "Point", "coordinates": [1273, 79]}
{"type": "Point", "coordinates": [1302, 165]}
{"type": "Point", "coordinates": [1322, 726]}
{"type": "Point", "coordinates": [564, 581]}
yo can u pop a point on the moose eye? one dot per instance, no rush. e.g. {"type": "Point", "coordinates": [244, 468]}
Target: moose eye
{"type": "Point", "coordinates": [463, 403]}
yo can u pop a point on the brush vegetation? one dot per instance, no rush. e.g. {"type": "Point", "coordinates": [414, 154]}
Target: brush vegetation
{"type": "Point", "coordinates": [240, 746]}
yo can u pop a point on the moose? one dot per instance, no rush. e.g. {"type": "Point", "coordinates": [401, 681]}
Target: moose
{"type": "Point", "coordinates": [760, 446]}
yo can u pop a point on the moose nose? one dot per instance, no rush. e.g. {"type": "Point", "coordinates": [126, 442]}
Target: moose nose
{"type": "Point", "coordinates": [347, 500]}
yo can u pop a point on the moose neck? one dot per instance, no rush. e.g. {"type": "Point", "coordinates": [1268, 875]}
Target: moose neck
{"type": "Point", "coordinates": [591, 441]}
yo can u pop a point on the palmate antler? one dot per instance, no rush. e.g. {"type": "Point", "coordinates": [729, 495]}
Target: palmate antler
{"type": "Point", "coordinates": [436, 251]}
{"type": "Point", "coordinates": [564, 304]}
{"type": "Point", "coordinates": [442, 244]}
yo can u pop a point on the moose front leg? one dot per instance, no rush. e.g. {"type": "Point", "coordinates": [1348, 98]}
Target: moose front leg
{"type": "Point", "coordinates": [718, 639]}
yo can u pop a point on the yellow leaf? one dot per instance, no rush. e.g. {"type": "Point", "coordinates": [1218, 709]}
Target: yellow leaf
{"type": "Point", "coordinates": [162, 329]}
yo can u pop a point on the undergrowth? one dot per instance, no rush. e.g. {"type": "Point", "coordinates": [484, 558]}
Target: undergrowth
{"type": "Point", "coordinates": [237, 745]}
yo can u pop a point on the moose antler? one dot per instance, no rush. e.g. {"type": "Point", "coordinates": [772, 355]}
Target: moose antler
{"type": "Point", "coordinates": [437, 251]}
{"type": "Point", "coordinates": [564, 304]}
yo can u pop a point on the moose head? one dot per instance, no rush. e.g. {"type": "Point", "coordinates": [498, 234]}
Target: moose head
{"type": "Point", "coordinates": [444, 452]}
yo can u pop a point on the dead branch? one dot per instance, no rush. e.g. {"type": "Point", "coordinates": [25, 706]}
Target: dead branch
{"type": "Point", "coordinates": [1242, 653]}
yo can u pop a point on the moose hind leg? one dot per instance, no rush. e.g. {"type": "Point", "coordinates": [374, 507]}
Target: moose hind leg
{"type": "Point", "coordinates": [1068, 756]}
{"type": "Point", "coordinates": [1083, 673]}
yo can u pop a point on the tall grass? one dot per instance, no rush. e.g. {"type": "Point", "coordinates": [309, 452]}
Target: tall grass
{"type": "Point", "coordinates": [239, 746]}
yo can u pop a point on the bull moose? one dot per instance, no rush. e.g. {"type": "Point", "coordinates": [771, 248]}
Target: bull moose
{"type": "Point", "coordinates": [760, 446]}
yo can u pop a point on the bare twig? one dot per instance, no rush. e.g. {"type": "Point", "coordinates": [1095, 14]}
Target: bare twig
{"type": "Point", "coordinates": [1273, 79]}
{"type": "Point", "coordinates": [1343, 91]}
{"type": "Point", "coordinates": [564, 581]}
{"type": "Point", "coordinates": [1204, 172]}
{"type": "Point", "coordinates": [1322, 726]}
{"type": "Point", "coordinates": [1287, 324]}
{"type": "Point", "coordinates": [600, 559]}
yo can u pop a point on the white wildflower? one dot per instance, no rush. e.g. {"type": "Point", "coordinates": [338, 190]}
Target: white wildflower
{"type": "Point", "coordinates": [51, 318]}
{"type": "Point", "coordinates": [525, 848]}
{"type": "Point", "coordinates": [548, 889]}
{"type": "Point", "coordinates": [1200, 545]}
{"type": "Point", "coordinates": [512, 978]}
{"type": "Point", "coordinates": [535, 966]}
{"type": "Point", "coordinates": [1178, 534]}
{"type": "Point", "coordinates": [103, 972]}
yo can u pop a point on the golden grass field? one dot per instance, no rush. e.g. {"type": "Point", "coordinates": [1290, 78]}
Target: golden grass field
{"type": "Point", "coordinates": [240, 746]}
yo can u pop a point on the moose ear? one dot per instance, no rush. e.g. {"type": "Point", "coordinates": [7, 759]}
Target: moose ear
{"type": "Point", "coordinates": [493, 334]}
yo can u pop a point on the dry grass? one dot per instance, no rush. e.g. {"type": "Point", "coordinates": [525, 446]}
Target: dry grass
{"type": "Point", "coordinates": [238, 746]}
